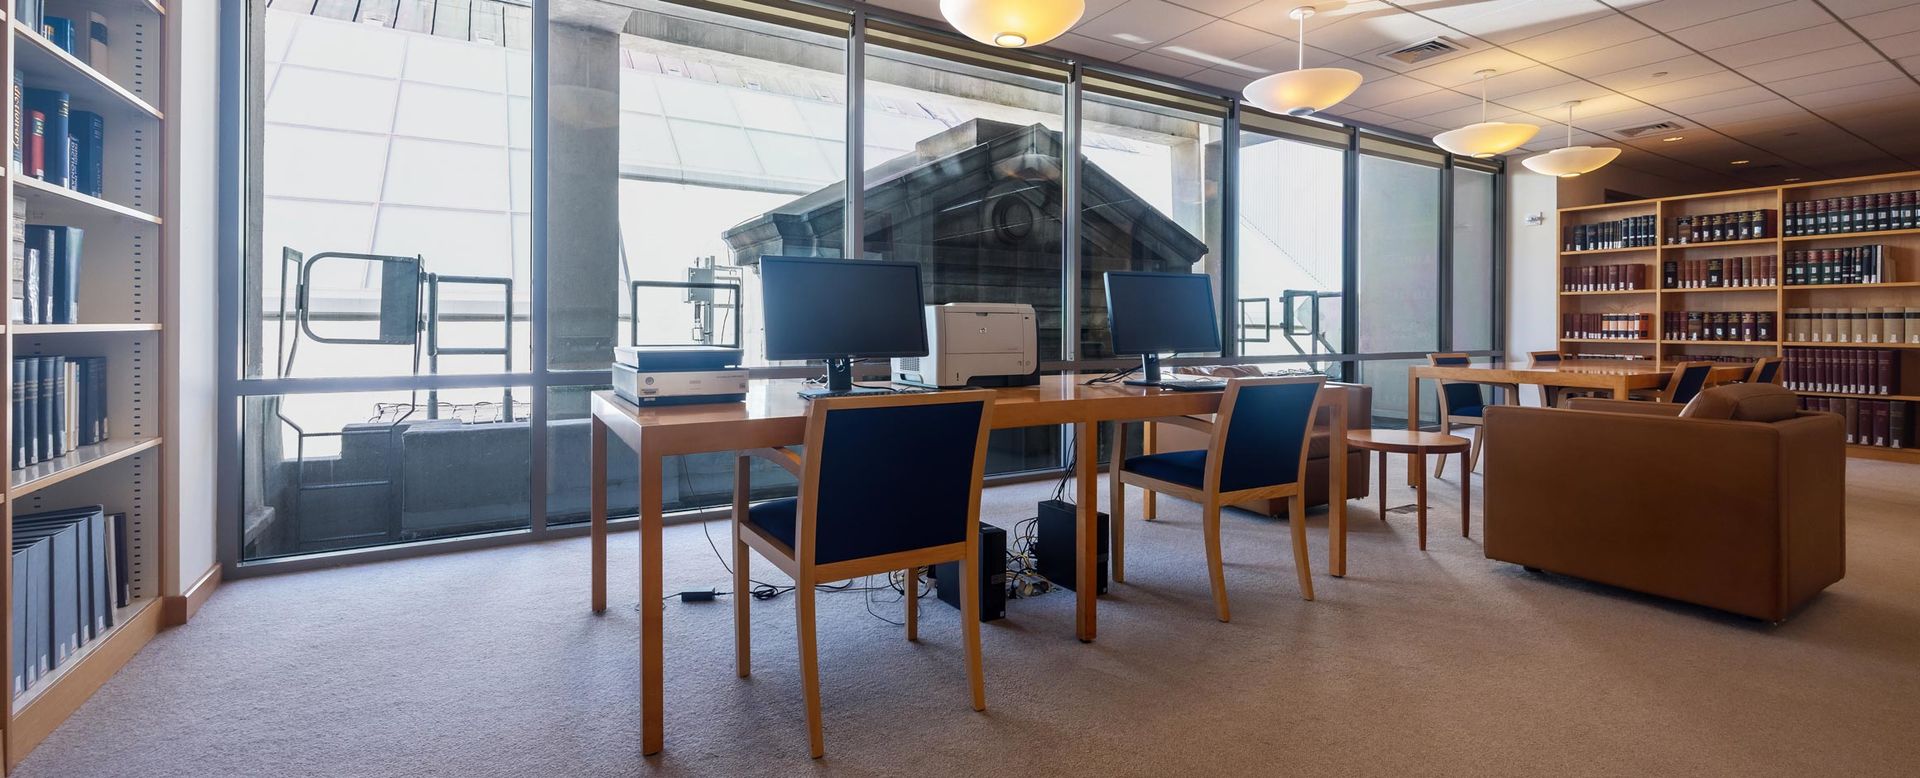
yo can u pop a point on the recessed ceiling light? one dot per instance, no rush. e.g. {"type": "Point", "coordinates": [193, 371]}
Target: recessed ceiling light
{"type": "Point", "coordinates": [1672, 138]}
{"type": "Point", "coordinates": [1739, 162]}
{"type": "Point", "coordinates": [1132, 38]}
{"type": "Point", "coordinates": [1791, 180]}
{"type": "Point", "coordinates": [1661, 74]}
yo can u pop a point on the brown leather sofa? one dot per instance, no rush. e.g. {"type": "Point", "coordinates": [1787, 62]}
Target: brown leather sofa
{"type": "Point", "coordinates": [1744, 513]}
{"type": "Point", "coordinates": [1359, 416]}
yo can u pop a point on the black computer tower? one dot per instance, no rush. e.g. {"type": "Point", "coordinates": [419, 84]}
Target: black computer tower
{"type": "Point", "coordinates": [1055, 550]}
{"type": "Point", "coordinates": [993, 575]}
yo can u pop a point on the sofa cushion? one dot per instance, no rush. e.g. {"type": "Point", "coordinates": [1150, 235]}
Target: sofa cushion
{"type": "Point", "coordinates": [1743, 402]}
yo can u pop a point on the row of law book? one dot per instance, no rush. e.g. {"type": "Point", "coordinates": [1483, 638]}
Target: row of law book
{"type": "Point", "coordinates": [1720, 273]}
{"type": "Point", "coordinates": [45, 270]}
{"type": "Point", "coordinates": [59, 404]}
{"type": "Point", "coordinates": [1630, 232]}
{"type": "Point", "coordinates": [1853, 265]}
{"type": "Point", "coordinates": [1603, 278]}
{"type": "Point", "coordinates": [1854, 213]}
{"type": "Point", "coordinates": [1604, 355]}
{"type": "Point", "coordinates": [1609, 326]}
{"type": "Point", "coordinates": [1882, 423]}
{"type": "Point", "coordinates": [58, 144]}
{"type": "Point", "coordinates": [1719, 227]}
{"type": "Point", "coordinates": [1878, 324]}
{"type": "Point", "coordinates": [88, 40]}
{"type": "Point", "coordinates": [1740, 326]}
{"type": "Point", "coordinates": [1747, 358]}
{"type": "Point", "coordinates": [70, 570]}
{"type": "Point", "coordinates": [1843, 370]}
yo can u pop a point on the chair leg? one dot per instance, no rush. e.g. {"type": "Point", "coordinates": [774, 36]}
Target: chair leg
{"type": "Point", "coordinates": [1216, 571]}
{"type": "Point", "coordinates": [1383, 486]}
{"type": "Point", "coordinates": [1446, 428]}
{"type": "Point", "coordinates": [742, 578]}
{"type": "Point", "coordinates": [1149, 440]}
{"type": "Point", "coordinates": [810, 664]}
{"type": "Point", "coordinates": [913, 603]}
{"type": "Point", "coordinates": [1297, 516]}
{"type": "Point", "coordinates": [970, 628]}
{"type": "Point", "coordinates": [1117, 506]}
{"type": "Point", "coordinates": [1473, 452]}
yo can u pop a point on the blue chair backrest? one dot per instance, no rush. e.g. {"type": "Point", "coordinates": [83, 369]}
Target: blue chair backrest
{"type": "Point", "coordinates": [1689, 381]}
{"type": "Point", "coordinates": [1458, 395]}
{"type": "Point", "coordinates": [1265, 436]}
{"type": "Point", "coordinates": [1552, 356]}
{"type": "Point", "coordinates": [1768, 370]}
{"type": "Point", "coordinates": [894, 479]}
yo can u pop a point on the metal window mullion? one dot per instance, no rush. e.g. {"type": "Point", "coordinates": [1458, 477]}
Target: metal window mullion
{"type": "Point", "coordinates": [1444, 284]}
{"type": "Point", "coordinates": [1498, 292]}
{"type": "Point", "coordinates": [1350, 255]}
{"type": "Point", "coordinates": [1070, 236]}
{"type": "Point", "coordinates": [240, 33]}
{"type": "Point", "coordinates": [1230, 231]}
{"type": "Point", "coordinates": [854, 191]}
{"type": "Point", "coordinates": [537, 272]}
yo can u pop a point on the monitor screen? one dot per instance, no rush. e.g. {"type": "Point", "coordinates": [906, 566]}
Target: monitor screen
{"type": "Point", "coordinates": [1161, 313]}
{"type": "Point", "coordinates": [835, 309]}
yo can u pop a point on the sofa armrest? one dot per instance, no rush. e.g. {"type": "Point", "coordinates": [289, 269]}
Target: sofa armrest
{"type": "Point", "coordinates": [1641, 407]}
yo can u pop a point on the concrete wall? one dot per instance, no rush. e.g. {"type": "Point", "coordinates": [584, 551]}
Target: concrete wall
{"type": "Point", "coordinates": [192, 216]}
{"type": "Point", "coordinates": [1591, 189]}
{"type": "Point", "coordinates": [1532, 266]}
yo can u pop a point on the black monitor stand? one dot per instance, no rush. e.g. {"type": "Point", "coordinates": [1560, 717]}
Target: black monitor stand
{"type": "Point", "coordinates": [1149, 371]}
{"type": "Point", "coordinates": [840, 382]}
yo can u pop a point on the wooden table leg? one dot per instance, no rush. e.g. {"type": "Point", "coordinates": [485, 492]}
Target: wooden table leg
{"type": "Point", "coordinates": [1337, 491]}
{"type": "Point", "coordinates": [1466, 496]}
{"type": "Point", "coordinates": [1420, 494]}
{"type": "Point", "coordinates": [1413, 418]}
{"type": "Point", "coordinates": [1117, 505]}
{"type": "Point", "coordinates": [597, 463]}
{"type": "Point", "coordinates": [652, 608]}
{"type": "Point", "coordinates": [1383, 486]}
{"type": "Point", "coordinates": [1086, 456]}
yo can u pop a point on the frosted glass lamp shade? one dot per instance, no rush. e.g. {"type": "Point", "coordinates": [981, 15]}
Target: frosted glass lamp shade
{"type": "Point", "coordinates": [1012, 24]}
{"type": "Point", "coordinates": [1570, 161]}
{"type": "Point", "coordinates": [1486, 138]}
{"type": "Point", "coordinates": [1304, 91]}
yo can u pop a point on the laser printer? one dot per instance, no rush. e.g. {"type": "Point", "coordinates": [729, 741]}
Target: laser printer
{"type": "Point", "coordinates": [677, 375]}
{"type": "Point", "coordinates": [975, 344]}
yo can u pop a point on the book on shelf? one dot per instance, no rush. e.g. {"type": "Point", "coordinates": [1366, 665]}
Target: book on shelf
{"type": "Point", "coordinates": [1854, 213]}
{"type": "Point", "coordinates": [68, 570]}
{"type": "Point", "coordinates": [1851, 265]}
{"type": "Point", "coordinates": [98, 53]}
{"type": "Point", "coordinates": [1604, 278]}
{"type": "Point", "coordinates": [1720, 273]}
{"type": "Point", "coordinates": [31, 14]}
{"type": "Point", "coordinates": [1892, 324]}
{"type": "Point", "coordinates": [52, 277]}
{"type": "Point", "coordinates": [1842, 370]}
{"type": "Point", "coordinates": [1722, 227]}
{"type": "Point", "coordinates": [59, 30]}
{"type": "Point", "coordinates": [56, 106]}
{"type": "Point", "coordinates": [60, 403]}
{"type": "Point", "coordinates": [89, 145]}
{"type": "Point", "coordinates": [1742, 326]}
{"type": "Point", "coordinates": [1869, 422]}
{"type": "Point", "coordinates": [1630, 232]}
{"type": "Point", "coordinates": [1609, 326]}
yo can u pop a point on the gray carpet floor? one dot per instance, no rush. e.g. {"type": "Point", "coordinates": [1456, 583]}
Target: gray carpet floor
{"type": "Point", "coordinates": [1439, 663]}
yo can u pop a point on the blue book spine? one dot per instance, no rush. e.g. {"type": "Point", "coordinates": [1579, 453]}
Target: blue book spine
{"type": "Point", "coordinates": [57, 107]}
{"type": "Point", "coordinates": [59, 29]}
{"type": "Point", "coordinates": [90, 136]}
{"type": "Point", "coordinates": [23, 132]}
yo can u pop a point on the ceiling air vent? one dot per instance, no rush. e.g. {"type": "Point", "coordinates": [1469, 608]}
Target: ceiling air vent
{"type": "Point", "coordinates": [1647, 129]}
{"type": "Point", "coordinates": [1431, 48]}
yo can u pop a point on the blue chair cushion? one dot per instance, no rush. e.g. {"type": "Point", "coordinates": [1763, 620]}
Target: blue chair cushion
{"type": "Point", "coordinates": [779, 518]}
{"type": "Point", "coordinates": [1187, 468]}
{"type": "Point", "coordinates": [1471, 410]}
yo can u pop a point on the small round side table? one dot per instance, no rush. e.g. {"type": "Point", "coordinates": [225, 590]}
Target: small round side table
{"type": "Point", "coordinates": [1419, 444]}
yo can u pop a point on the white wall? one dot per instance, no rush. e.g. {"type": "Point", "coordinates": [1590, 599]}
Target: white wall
{"type": "Point", "coordinates": [193, 218]}
{"type": "Point", "coordinates": [1532, 259]}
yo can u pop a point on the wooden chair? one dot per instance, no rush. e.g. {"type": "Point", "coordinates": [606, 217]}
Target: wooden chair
{"type": "Point", "coordinates": [1550, 396]}
{"type": "Point", "coordinates": [1765, 371]}
{"type": "Point", "coordinates": [1257, 449]}
{"type": "Point", "coordinates": [1463, 403]}
{"type": "Point", "coordinates": [1687, 380]}
{"type": "Point", "coordinates": [888, 482]}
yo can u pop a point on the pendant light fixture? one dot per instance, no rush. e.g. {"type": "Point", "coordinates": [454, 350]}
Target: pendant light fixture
{"type": "Point", "coordinates": [1571, 160]}
{"type": "Point", "coordinates": [1012, 24]}
{"type": "Point", "coordinates": [1486, 138]}
{"type": "Point", "coordinates": [1303, 90]}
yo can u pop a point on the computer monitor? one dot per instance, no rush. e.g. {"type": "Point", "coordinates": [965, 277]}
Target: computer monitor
{"type": "Point", "coordinates": [1150, 314]}
{"type": "Point", "coordinates": [841, 310]}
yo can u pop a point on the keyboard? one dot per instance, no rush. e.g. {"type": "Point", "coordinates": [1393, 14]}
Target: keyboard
{"type": "Point", "coordinates": [866, 391]}
{"type": "Point", "coordinates": [1194, 386]}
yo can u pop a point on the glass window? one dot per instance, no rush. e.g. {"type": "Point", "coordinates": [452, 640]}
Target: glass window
{"type": "Point", "coordinates": [1399, 296]}
{"type": "Point", "coordinates": [1474, 223]}
{"type": "Point", "coordinates": [1292, 242]}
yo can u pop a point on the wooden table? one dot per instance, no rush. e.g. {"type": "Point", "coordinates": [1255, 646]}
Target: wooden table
{"type": "Point", "coordinates": [1417, 445]}
{"type": "Point", "coordinates": [774, 415]}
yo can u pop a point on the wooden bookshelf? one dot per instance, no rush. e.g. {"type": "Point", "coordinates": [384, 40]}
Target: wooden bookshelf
{"type": "Point", "coordinates": [120, 317]}
{"type": "Point", "coordinates": [1903, 259]}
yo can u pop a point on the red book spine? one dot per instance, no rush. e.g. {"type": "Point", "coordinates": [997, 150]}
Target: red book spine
{"type": "Point", "coordinates": [37, 147]}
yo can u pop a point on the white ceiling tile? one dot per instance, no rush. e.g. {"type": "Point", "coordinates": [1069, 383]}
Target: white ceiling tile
{"type": "Point", "coordinates": [1361, 35]}
{"type": "Point", "coordinates": [1387, 90]}
{"type": "Point", "coordinates": [1092, 47]}
{"type": "Point", "coordinates": [1754, 110]}
{"type": "Point", "coordinates": [1895, 21]}
{"type": "Point", "coordinates": [1463, 116]}
{"type": "Point", "coordinates": [1220, 8]}
{"type": "Point", "coordinates": [1144, 22]}
{"type": "Point", "coordinates": [1611, 123]}
{"type": "Point", "coordinates": [1847, 9]}
{"type": "Point", "coordinates": [1272, 15]}
{"type": "Point", "coordinates": [1604, 32]}
{"type": "Point", "coordinates": [1790, 44]}
{"type": "Point", "coordinates": [1284, 56]}
{"type": "Point", "coordinates": [1669, 15]}
{"type": "Point", "coordinates": [1429, 103]}
{"type": "Point", "coordinates": [1753, 25]}
{"type": "Point", "coordinates": [1166, 66]}
{"type": "Point", "coordinates": [1589, 108]}
{"type": "Point", "coordinates": [1506, 21]}
{"type": "Point", "coordinates": [1910, 64]}
{"type": "Point", "coordinates": [1877, 90]}
{"type": "Point", "coordinates": [1714, 100]}
{"type": "Point", "coordinates": [1526, 80]}
{"type": "Point", "coordinates": [1684, 88]}
{"type": "Point", "coordinates": [1225, 79]}
{"type": "Point", "coordinates": [1218, 44]}
{"type": "Point", "coordinates": [1633, 54]}
{"type": "Point", "coordinates": [1809, 64]}
{"type": "Point", "coordinates": [1837, 79]}
{"type": "Point", "coordinates": [1553, 96]}
{"type": "Point", "coordinates": [1897, 46]}
{"type": "Point", "coordinates": [1459, 71]}
{"type": "Point", "coordinates": [1665, 72]}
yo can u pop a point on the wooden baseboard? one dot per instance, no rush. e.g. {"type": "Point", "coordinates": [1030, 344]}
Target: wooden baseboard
{"type": "Point", "coordinates": [180, 608]}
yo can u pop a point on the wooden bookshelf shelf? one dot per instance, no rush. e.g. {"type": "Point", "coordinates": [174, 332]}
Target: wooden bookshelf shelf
{"type": "Point", "coordinates": [1909, 397]}
{"type": "Point", "coordinates": [1766, 343]}
{"type": "Point", "coordinates": [1810, 344]}
{"type": "Point", "coordinates": [1824, 287]}
{"type": "Point", "coordinates": [1614, 291]}
{"type": "Point", "coordinates": [1721, 289]}
{"type": "Point", "coordinates": [52, 202]}
{"type": "Point", "coordinates": [50, 67]}
{"type": "Point", "coordinates": [1720, 243]}
{"type": "Point", "coordinates": [1591, 252]}
{"type": "Point", "coordinates": [33, 478]}
{"type": "Point", "coordinates": [1647, 341]}
{"type": "Point", "coordinates": [1884, 454]}
{"type": "Point", "coordinates": [59, 329]}
{"type": "Point", "coordinates": [1841, 235]}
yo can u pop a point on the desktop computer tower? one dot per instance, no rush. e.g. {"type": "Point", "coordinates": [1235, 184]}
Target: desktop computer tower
{"type": "Point", "coordinates": [1055, 550]}
{"type": "Point", "coordinates": [993, 576]}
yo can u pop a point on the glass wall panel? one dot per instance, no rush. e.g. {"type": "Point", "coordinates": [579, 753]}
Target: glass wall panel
{"type": "Point", "coordinates": [1292, 243]}
{"type": "Point", "coordinates": [406, 145]}
{"type": "Point", "coordinates": [324, 472]}
{"type": "Point", "coordinates": [1399, 229]}
{"type": "Point", "coordinates": [1474, 295]}
{"type": "Point", "coordinates": [1150, 200]}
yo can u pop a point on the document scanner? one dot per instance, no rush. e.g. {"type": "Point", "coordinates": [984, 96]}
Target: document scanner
{"type": "Point", "coordinates": [975, 344]}
{"type": "Point", "coordinates": [678, 375]}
